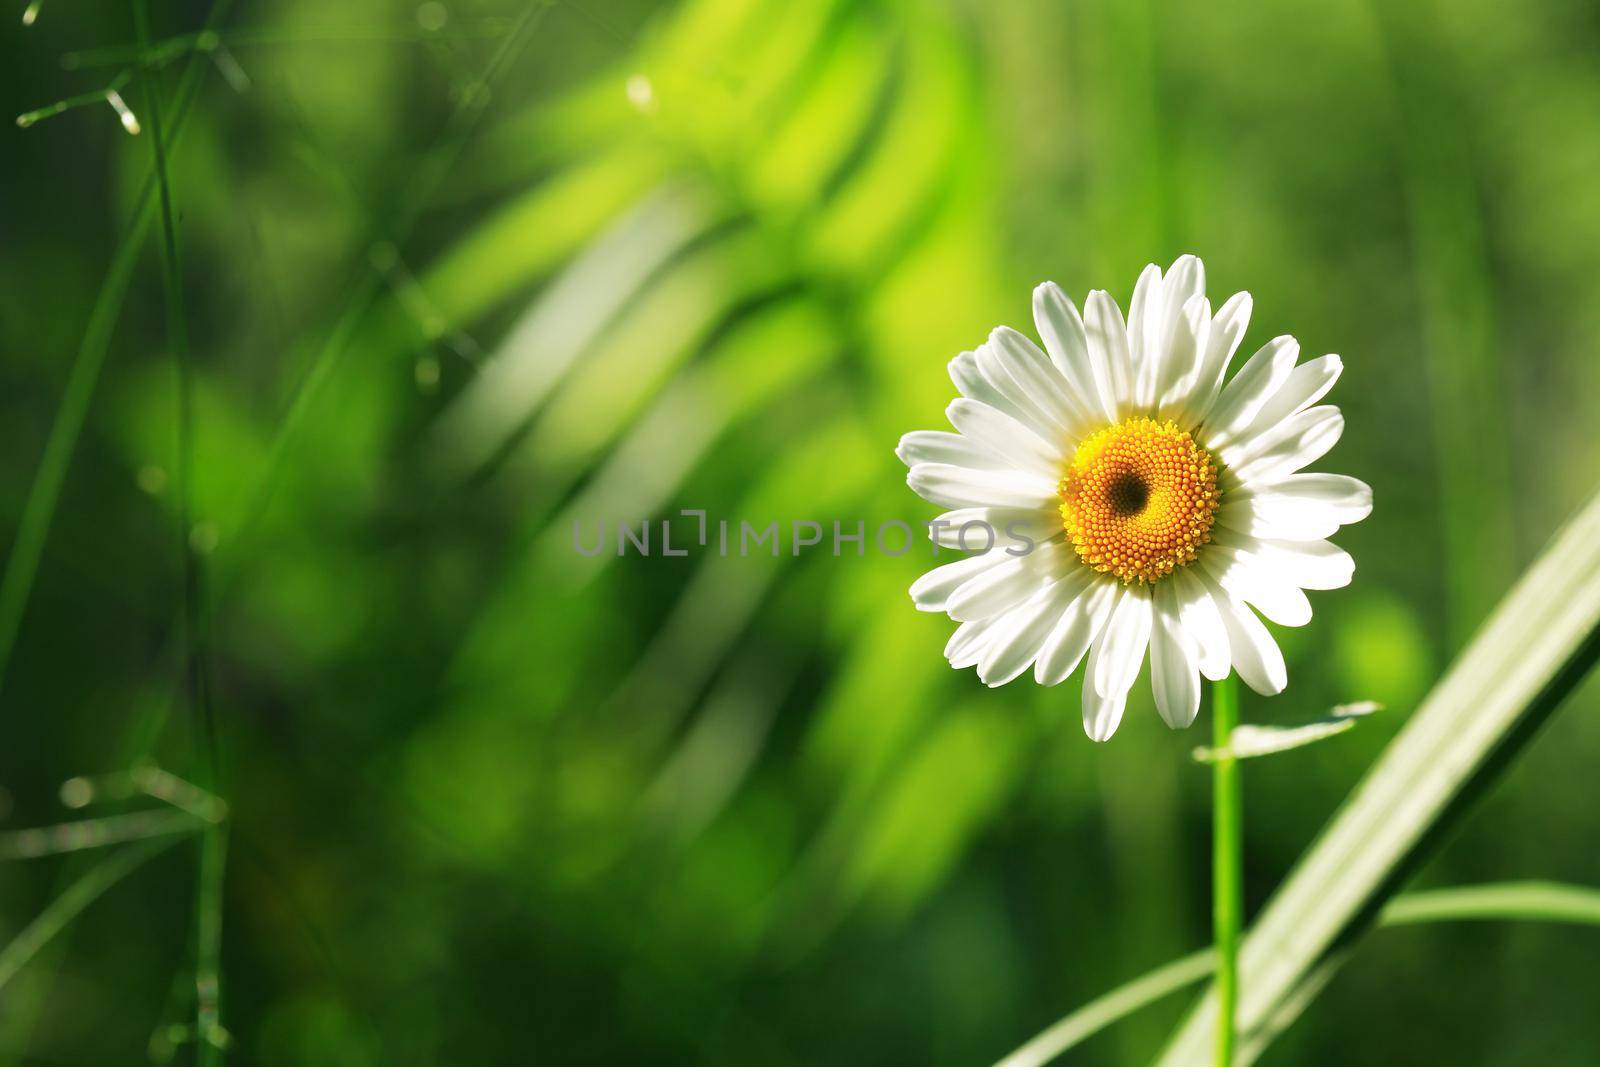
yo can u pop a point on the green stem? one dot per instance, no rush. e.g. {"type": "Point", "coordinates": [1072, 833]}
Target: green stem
{"type": "Point", "coordinates": [69, 904]}
{"type": "Point", "coordinates": [210, 1036]}
{"type": "Point", "coordinates": [1226, 863]}
{"type": "Point", "coordinates": [97, 96]}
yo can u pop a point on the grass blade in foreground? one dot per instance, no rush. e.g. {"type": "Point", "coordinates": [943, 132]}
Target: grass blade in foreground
{"type": "Point", "coordinates": [1499, 901]}
{"type": "Point", "coordinates": [1113, 1007]}
{"type": "Point", "coordinates": [1528, 656]}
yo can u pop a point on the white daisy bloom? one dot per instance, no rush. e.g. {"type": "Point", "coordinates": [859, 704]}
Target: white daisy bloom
{"type": "Point", "coordinates": [1162, 497]}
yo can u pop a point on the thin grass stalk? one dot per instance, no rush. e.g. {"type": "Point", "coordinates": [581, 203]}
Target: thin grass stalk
{"type": "Point", "coordinates": [96, 96]}
{"type": "Point", "coordinates": [1528, 901]}
{"type": "Point", "coordinates": [1113, 1007]}
{"type": "Point", "coordinates": [193, 615]}
{"type": "Point", "coordinates": [70, 903]}
{"type": "Point", "coordinates": [210, 1036]}
{"type": "Point", "coordinates": [38, 513]}
{"type": "Point", "coordinates": [23, 561]}
{"type": "Point", "coordinates": [93, 833]}
{"type": "Point", "coordinates": [1227, 873]}
{"type": "Point", "coordinates": [208, 897]}
{"type": "Point", "coordinates": [44, 494]}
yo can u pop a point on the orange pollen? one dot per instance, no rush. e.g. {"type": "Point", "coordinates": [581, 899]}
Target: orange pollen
{"type": "Point", "coordinates": [1138, 499]}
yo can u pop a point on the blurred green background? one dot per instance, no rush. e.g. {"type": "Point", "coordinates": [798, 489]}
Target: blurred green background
{"type": "Point", "coordinates": [457, 275]}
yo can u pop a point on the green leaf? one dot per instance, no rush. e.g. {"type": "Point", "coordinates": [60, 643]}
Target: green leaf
{"type": "Point", "coordinates": [1525, 659]}
{"type": "Point", "coordinates": [1247, 742]}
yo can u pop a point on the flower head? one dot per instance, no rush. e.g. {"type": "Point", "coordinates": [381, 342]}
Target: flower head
{"type": "Point", "coordinates": [1160, 497]}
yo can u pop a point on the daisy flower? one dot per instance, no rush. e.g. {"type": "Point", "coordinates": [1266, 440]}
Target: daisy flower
{"type": "Point", "coordinates": [1160, 496]}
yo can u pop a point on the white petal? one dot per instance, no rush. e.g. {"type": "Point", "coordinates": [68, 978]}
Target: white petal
{"type": "Point", "coordinates": [1281, 602]}
{"type": "Point", "coordinates": [1185, 345]}
{"type": "Point", "coordinates": [1101, 715]}
{"type": "Point", "coordinates": [1080, 623]}
{"type": "Point", "coordinates": [1108, 350]}
{"type": "Point", "coordinates": [1173, 662]}
{"type": "Point", "coordinates": [1264, 517]}
{"type": "Point", "coordinates": [1285, 605]}
{"type": "Point", "coordinates": [1203, 622]}
{"type": "Point", "coordinates": [962, 487]}
{"type": "Point", "coordinates": [1301, 507]}
{"type": "Point", "coordinates": [1065, 339]}
{"type": "Point", "coordinates": [1307, 564]}
{"type": "Point", "coordinates": [939, 446]}
{"type": "Point", "coordinates": [1306, 384]}
{"type": "Point", "coordinates": [1185, 280]}
{"type": "Point", "coordinates": [932, 591]}
{"type": "Point", "coordinates": [1005, 530]}
{"type": "Point", "coordinates": [967, 645]}
{"type": "Point", "coordinates": [1227, 330]}
{"type": "Point", "coordinates": [1038, 378]}
{"type": "Point", "coordinates": [1007, 584]}
{"type": "Point", "coordinates": [1146, 317]}
{"type": "Point", "coordinates": [999, 433]}
{"type": "Point", "coordinates": [1345, 498]}
{"type": "Point", "coordinates": [973, 384]}
{"type": "Point", "coordinates": [1002, 368]}
{"type": "Point", "coordinates": [1015, 647]}
{"type": "Point", "coordinates": [1312, 564]}
{"type": "Point", "coordinates": [1294, 443]}
{"type": "Point", "coordinates": [1178, 333]}
{"type": "Point", "coordinates": [1256, 655]}
{"type": "Point", "coordinates": [1123, 644]}
{"type": "Point", "coordinates": [1262, 376]}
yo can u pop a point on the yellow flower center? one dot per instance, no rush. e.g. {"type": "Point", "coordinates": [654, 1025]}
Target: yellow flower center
{"type": "Point", "coordinates": [1138, 499]}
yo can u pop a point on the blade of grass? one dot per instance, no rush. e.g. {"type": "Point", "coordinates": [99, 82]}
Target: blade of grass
{"type": "Point", "coordinates": [1524, 901]}
{"type": "Point", "coordinates": [1501, 901]}
{"type": "Point", "coordinates": [44, 494]}
{"type": "Point", "coordinates": [93, 833]}
{"type": "Point", "coordinates": [193, 634]}
{"type": "Point", "coordinates": [69, 904]}
{"type": "Point", "coordinates": [212, 1038]}
{"type": "Point", "coordinates": [1113, 1007]}
{"type": "Point", "coordinates": [109, 95]}
{"type": "Point", "coordinates": [1528, 901]}
{"type": "Point", "coordinates": [1526, 658]}
{"type": "Point", "coordinates": [22, 565]}
{"type": "Point", "coordinates": [194, 638]}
